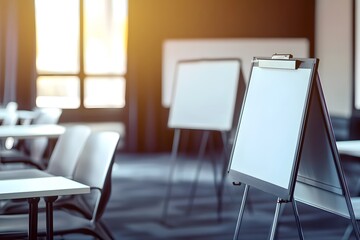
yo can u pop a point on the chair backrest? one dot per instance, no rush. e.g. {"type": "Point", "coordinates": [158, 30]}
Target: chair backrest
{"type": "Point", "coordinates": [47, 115]}
{"type": "Point", "coordinates": [67, 150]}
{"type": "Point", "coordinates": [10, 119]}
{"type": "Point", "coordinates": [11, 106]}
{"type": "Point", "coordinates": [36, 147]}
{"type": "Point", "coordinates": [95, 165]}
{"type": "Point", "coordinates": [11, 116]}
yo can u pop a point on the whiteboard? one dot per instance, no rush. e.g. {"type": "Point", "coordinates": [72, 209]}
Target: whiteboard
{"type": "Point", "coordinates": [205, 94]}
{"type": "Point", "coordinates": [266, 145]}
{"type": "Point", "coordinates": [285, 144]}
{"type": "Point", "coordinates": [175, 50]}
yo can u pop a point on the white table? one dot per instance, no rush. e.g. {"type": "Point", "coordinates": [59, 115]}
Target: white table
{"type": "Point", "coordinates": [351, 147]}
{"type": "Point", "coordinates": [32, 184]}
{"type": "Point", "coordinates": [31, 131]}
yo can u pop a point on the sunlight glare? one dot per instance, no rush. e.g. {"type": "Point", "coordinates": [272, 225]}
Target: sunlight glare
{"type": "Point", "coordinates": [57, 28]}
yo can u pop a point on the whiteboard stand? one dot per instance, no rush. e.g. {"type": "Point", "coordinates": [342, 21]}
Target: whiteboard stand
{"type": "Point", "coordinates": [276, 216]}
{"type": "Point", "coordinates": [241, 212]}
{"type": "Point", "coordinates": [203, 144]}
{"type": "Point", "coordinates": [278, 213]}
{"type": "Point", "coordinates": [285, 144]}
{"type": "Point", "coordinates": [206, 95]}
{"type": "Point", "coordinates": [174, 151]}
{"type": "Point", "coordinates": [219, 184]}
{"type": "Point", "coordinates": [201, 156]}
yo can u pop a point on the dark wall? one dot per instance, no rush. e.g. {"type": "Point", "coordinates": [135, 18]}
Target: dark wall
{"type": "Point", "coordinates": [153, 21]}
{"type": "Point", "coordinates": [26, 51]}
{"type": "Point", "coordinates": [17, 51]}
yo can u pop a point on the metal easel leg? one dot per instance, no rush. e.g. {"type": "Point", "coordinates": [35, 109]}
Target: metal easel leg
{"type": "Point", "coordinates": [224, 169]}
{"type": "Point", "coordinates": [203, 143]}
{"type": "Point", "coordinates": [347, 233]}
{"type": "Point", "coordinates": [276, 217]}
{"type": "Point", "coordinates": [174, 150]}
{"type": "Point", "coordinates": [297, 219]}
{"type": "Point", "coordinates": [351, 211]}
{"type": "Point", "coordinates": [213, 162]}
{"type": "Point", "coordinates": [355, 227]}
{"type": "Point", "coordinates": [241, 213]}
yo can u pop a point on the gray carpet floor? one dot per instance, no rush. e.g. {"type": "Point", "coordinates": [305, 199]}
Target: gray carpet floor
{"type": "Point", "coordinates": [135, 208]}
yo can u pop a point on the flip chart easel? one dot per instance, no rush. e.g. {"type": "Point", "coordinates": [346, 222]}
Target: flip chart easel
{"type": "Point", "coordinates": [285, 144]}
{"type": "Point", "coordinates": [206, 97]}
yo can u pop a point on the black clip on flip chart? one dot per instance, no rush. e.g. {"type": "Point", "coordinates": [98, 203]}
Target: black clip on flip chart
{"type": "Point", "coordinates": [284, 114]}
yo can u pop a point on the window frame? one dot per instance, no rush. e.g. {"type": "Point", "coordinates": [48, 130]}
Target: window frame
{"type": "Point", "coordinates": [81, 75]}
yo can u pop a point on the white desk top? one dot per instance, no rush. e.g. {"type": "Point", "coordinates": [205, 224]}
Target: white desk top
{"type": "Point", "coordinates": [351, 147]}
{"type": "Point", "coordinates": [40, 187]}
{"type": "Point", "coordinates": [31, 131]}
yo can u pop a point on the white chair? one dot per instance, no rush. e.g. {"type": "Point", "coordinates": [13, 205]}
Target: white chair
{"type": "Point", "coordinates": [93, 169]}
{"type": "Point", "coordinates": [32, 151]}
{"type": "Point", "coordinates": [10, 118]}
{"type": "Point", "coordinates": [36, 147]}
{"type": "Point", "coordinates": [62, 162]}
{"type": "Point", "coordinates": [67, 151]}
{"type": "Point", "coordinates": [11, 106]}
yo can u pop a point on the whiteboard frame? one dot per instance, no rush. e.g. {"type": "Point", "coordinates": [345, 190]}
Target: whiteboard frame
{"type": "Point", "coordinates": [269, 187]}
{"type": "Point", "coordinates": [236, 101]}
{"type": "Point", "coordinates": [174, 50]}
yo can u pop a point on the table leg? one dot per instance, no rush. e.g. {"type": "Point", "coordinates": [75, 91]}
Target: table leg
{"type": "Point", "coordinates": [49, 217]}
{"type": "Point", "coordinates": [33, 217]}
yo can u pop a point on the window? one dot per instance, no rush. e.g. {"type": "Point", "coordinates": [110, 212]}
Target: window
{"type": "Point", "coordinates": [81, 53]}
